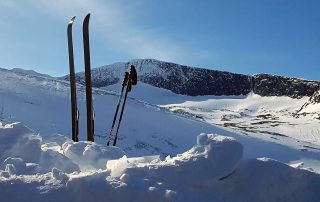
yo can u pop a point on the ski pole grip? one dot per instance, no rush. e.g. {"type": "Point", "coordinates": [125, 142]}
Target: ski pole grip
{"type": "Point", "coordinates": [126, 77]}
{"type": "Point", "coordinates": [133, 75]}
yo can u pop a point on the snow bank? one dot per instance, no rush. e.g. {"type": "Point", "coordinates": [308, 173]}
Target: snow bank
{"type": "Point", "coordinates": [151, 179]}
{"type": "Point", "coordinates": [190, 169]}
{"type": "Point", "coordinates": [89, 155]}
{"type": "Point", "coordinates": [19, 142]}
{"type": "Point", "coordinates": [212, 170]}
{"type": "Point", "coordinates": [266, 180]}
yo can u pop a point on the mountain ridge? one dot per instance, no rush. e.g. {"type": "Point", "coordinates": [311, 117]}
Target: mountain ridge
{"type": "Point", "coordinates": [194, 81]}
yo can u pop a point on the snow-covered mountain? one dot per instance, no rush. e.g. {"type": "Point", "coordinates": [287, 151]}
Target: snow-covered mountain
{"type": "Point", "coordinates": [28, 72]}
{"type": "Point", "coordinates": [44, 105]}
{"type": "Point", "coordinates": [177, 78]}
{"type": "Point", "coordinates": [221, 148]}
{"type": "Point", "coordinates": [194, 81]}
{"type": "Point", "coordinates": [271, 119]}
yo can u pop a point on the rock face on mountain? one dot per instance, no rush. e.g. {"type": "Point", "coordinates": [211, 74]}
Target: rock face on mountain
{"type": "Point", "coordinates": [271, 85]}
{"type": "Point", "coordinates": [186, 80]}
{"type": "Point", "coordinates": [194, 81]}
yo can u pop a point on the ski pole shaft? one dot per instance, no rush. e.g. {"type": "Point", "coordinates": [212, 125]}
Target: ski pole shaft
{"type": "Point", "coordinates": [77, 126]}
{"type": "Point", "coordinates": [122, 110]}
{"type": "Point", "coordinates": [118, 105]}
{"type": "Point", "coordinates": [115, 116]}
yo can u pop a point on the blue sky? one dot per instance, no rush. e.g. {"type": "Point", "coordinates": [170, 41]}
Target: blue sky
{"type": "Point", "coordinates": [248, 36]}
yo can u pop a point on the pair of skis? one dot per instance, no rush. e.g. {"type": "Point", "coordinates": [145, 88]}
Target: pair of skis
{"type": "Point", "coordinates": [74, 108]}
{"type": "Point", "coordinates": [129, 80]}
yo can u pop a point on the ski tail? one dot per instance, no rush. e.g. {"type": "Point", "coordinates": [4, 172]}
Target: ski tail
{"type": "Point", "coordinates": [73, 88]}
{"type": "Point", "coordinates": [86, 49]}
{"type": "Point", "coordinates": [131, 81]}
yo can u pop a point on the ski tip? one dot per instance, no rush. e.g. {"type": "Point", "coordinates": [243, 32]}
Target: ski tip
{"type": "Point", "coordinates": [72, 20]}
{"type": "Point", "coordinates": [86, 21]}
{"type": "Point", "coordinates": [87, 17]}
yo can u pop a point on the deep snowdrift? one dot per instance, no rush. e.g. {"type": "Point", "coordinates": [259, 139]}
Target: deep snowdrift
{"type": "Point", "coordinates": [56, 169]}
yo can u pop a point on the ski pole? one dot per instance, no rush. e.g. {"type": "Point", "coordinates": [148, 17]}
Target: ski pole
{"type": "Point", "coordinates": [93, 116]}
{"type": "Point", "coordinates": [123, 105]}
{"type": "Point", "coordinates": [118, 105]}
{"type": "Point", "coordinates": [132, 80]}
{"type": "Point", "coordinates": [77, 126]}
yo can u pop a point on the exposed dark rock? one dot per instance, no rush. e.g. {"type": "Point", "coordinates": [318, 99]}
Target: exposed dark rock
{"type": "Point", "coordinates": [198, 81]}
{"type": "Point", "coordinates": [270, 85]}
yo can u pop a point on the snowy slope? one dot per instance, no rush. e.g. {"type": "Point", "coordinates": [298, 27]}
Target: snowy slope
{"type": "Point", "coordinates": [311, 107]}
{"type": "Point", "coordinates": [156, 122]}
{"type": "Point", "coordinates": [267, 117]}
{"type": "Point", "coordinates": [28, 72]}
{"type": "Point", "coordinates": [43, 104]}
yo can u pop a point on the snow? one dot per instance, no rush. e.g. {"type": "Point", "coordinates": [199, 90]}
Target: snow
{"type": "Point", "coordinates": [212, 151]}
{"type": "Point", "coordinates": [212, 170]}
{"type": "Point", "coordinates": [19, 141]}
{"type": "Point", "coordinates": [28, 72]}
{"type": "Point", "coordinates": [312, 106]}
{"type": "Point", "coordinates": [256, 115]}
{"type": "Point", "coordinates": [171, 147]}
{"type": "Point", "coordinates": [89, 155]}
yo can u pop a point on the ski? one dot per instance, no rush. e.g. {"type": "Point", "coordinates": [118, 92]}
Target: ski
{"type": "Point", "coordinates": [131, 81]}
{"type": "Point", "coordinates": [86, 49]}
{"type": "Point", "coordinates": [73, 88]}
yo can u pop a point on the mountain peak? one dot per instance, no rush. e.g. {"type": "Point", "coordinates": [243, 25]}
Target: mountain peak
{"type": "Point", "coordinates": [28, 72]}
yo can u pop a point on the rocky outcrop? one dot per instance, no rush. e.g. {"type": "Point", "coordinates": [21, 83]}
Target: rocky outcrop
{"type": "Point", "coordinates": [271, 85]}
{"type": "Point", "coordinates": [197, 81]}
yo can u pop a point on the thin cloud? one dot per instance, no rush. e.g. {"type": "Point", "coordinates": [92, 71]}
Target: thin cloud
{"type": "Point", "coordinates": [113, 25]}
{"type": "Point", "coordinates": [110, 21]}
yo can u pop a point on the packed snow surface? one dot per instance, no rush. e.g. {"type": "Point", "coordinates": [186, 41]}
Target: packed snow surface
{"type": "Point", "coordinates": [214, 169]}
